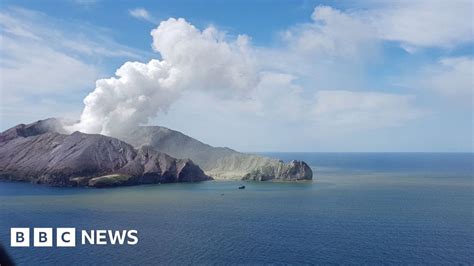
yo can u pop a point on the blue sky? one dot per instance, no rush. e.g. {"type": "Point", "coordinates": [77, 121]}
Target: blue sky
{"type": "Point", "coordinates": [251, 75]}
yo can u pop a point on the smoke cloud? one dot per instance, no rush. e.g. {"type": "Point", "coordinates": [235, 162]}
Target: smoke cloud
{"type": "Point", "coordinates": [294, 83]}
{"type": "Point", "coordinates": [190, 60]}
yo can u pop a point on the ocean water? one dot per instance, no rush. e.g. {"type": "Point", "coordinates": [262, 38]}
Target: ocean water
{"type": "Point", "coordinates": [361, 208]}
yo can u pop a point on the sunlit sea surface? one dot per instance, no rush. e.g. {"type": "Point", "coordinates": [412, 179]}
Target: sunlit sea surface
{"type": "Point", "coordinates": [361, 208]}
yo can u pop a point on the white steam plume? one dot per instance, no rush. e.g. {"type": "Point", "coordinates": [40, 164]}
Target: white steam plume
{"type": "Point", "coordinates": [191, 60]}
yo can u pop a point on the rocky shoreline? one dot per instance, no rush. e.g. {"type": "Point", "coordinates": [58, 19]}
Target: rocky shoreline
{"type": "Point", "coordinates": [43, 153]}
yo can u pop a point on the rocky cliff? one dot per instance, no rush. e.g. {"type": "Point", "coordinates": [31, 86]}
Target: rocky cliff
{"type": "Point", "coordinates": [220, 163]}
{"type": "Point", "coordinates": [43, 152]}
{"type": "Point", "coordinates": [295, 170]}
{"type": "Point", "coordinates": [39, 153]}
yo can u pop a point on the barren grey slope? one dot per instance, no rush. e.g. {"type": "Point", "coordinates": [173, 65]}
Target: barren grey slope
{"type": "Point", "coordinates": [38, 154]}
{"type": "Point", "coordinates": [221, 163]}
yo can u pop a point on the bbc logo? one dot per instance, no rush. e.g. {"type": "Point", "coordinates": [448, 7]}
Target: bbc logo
{"type": "Point", "coordinates": [43, 237]}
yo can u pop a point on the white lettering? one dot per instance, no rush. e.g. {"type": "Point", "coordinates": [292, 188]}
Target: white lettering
{"type": "Point", "coordinates": [132, 237]}
{"type": "Point", "coordinates": [88, 237]}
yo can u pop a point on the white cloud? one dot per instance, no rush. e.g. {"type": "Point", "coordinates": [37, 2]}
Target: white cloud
{"type": "Point", "coordinates": [208, 59]}
{"type": "Point", "coordinates": [210, 79]}
{"type": "Point", "coordinates": [143, 14]}
{"type": "Point", "coordinates": [235, 81]}
{"type": "Point", "coordinates": [32, 64]}
{"type": "Point", "coordinates": [331, 33]}
{"type": "Point", "coordinates": [296, 91]}
{"type": "Point", "coordinates": [27, 26]}
{"type": "Point", "coordinates": [434, 23]}
{"type": "Point", "coordinates": [40, 60]}
{"type": "Point", "coordinates": [363, 110]}
{"type": "Point", "coordinates": [191, 60]}
{"type": "Point", "coordinates": [356, 32]}
{"type": "Point", "coordinates": [450, 77]}
{"type": "Point", "coordinates": [139, 92]}
{"type": "Point", "coordinates": [33, 69]}
{"type": "Point", "coordinates": [288, 118]}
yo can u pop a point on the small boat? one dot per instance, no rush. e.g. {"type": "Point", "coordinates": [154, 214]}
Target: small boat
{"type": "Point", "coordinates": [242, 187]}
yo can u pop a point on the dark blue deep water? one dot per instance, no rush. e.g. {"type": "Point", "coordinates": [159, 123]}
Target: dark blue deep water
{"type": "Point", "coordinates": [362, 208]}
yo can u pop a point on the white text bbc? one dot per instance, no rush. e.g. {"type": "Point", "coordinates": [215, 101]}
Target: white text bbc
{"type": "Point", "coordinates": [66, 237]}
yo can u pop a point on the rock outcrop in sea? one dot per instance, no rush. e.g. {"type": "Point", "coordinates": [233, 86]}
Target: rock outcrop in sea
{"type": "Point", "coordinates": [39, 153]}
{"type": "Point", "coordinates": [295, 170]}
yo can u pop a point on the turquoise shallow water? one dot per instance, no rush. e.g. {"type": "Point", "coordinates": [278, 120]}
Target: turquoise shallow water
{"type": "Point", "coordinates": [361, 209]}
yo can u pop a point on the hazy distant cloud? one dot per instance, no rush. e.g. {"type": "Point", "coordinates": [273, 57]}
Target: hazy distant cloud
{"type": "Point", "coordinates": [450, 77]}
{"type": "Point", "coordinates": [142, 14]}
{"type": "Point", "coordinates": [234, 80]}
{"type": "Point", "coordinates": [364, 110]}
{"type": "Point", "coordinates": [414, 24]}
{"type": "Point", "coordinates": [311, 83]}
{"type": "Point", "coordinates": [331, 33]}
{"type": "Point", "coordinates": [39, 60]}
{"type": "Point", "coordinates": [278, 117]}
{"type": "Point", "coordinates": [34, 69]}
{"type": "Point", "coordinates": [31, 26]}
{"type": "Point", "coordinates": [33, 60]}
